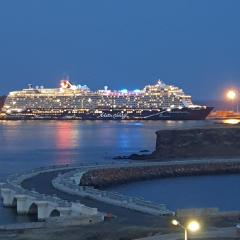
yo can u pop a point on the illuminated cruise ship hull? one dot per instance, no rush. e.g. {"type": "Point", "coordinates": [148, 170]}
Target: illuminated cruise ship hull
{"type": "Point", "coordinates": [153, 102]}
{"type": "Point", "coordinates": [70, 114]}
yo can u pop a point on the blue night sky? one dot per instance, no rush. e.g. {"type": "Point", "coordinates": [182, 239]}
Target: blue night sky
{"type": "Point", "coordinates": [122, 44]}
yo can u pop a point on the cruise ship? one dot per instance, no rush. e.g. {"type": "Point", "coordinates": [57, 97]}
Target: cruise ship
{"type": "Point", "coordinates": [154, 102]}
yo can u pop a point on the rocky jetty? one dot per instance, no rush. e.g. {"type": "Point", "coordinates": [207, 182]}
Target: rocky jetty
{"type": "Point", "coordinates": [113, 176]}
{"type": "Point", "coordinates": [220, 141]}
{"type": "Point", "coordinates": [208, 142]}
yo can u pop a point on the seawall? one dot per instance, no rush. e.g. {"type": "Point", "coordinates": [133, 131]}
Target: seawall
{"type": "Point", "coordinates": [210, 142]}
{"type": "Point", "coordinates": [113, 176]}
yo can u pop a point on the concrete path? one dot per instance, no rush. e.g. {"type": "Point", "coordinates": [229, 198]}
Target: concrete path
{"type": "Point", "coordinates": [42, 184]}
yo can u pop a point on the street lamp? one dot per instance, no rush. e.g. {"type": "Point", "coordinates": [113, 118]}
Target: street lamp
{"type": "Point", "coordinates": [232, 95]}
{"type": "Point", "coordinates": [192, 226]}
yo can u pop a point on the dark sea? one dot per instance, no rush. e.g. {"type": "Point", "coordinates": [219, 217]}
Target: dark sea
{"type": "Point", "coordinates": [30, 144]}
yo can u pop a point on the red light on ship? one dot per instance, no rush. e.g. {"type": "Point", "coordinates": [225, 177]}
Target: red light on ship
{"type": "Point", "coordinates": [65, 84]}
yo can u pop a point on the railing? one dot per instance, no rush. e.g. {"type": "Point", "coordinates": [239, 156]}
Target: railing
{"type": "Point", "coordinates": [14, 181]}
{"type": "Point", "coordinates": [64, 181]}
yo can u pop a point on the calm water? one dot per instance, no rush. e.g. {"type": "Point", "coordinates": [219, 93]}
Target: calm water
{"type": "Point", "coordinates": [29, 144]}
{"type": "Point", "coordinates": [188, 192]}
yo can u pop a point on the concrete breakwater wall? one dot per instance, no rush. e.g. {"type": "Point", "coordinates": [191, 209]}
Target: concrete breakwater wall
{"type": "Point", "coordinates": [113, 176]}
{"type": "Point", "coordinates": [214, 141]}
{"type": "Point", "coordinates": [69, 183]}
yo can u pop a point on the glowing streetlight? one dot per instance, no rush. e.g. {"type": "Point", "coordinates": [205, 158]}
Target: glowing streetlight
{"type": "Point", "coordinates": [175, 222]}
{"type": "Point", "coordinates": [231, 94]}
{"type": "Point", "coordinates": [192, 226]}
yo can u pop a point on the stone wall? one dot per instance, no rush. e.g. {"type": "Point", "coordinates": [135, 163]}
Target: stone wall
{"type": "Point", "coordinates": [113, 176]}
{"type": "Point", "coordinates": [197, 143]}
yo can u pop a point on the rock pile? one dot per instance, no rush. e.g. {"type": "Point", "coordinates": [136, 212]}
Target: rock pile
{"type": "Point", "coordinates": [113, 176]}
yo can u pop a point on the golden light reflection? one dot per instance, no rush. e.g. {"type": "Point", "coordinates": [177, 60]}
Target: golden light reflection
{"type": "Point", "coordinates": [66, 139]}
{"type": "Point", "coordinates": [232, 121]}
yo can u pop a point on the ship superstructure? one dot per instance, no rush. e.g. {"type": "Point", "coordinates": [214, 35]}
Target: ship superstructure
{"type": "Point", "coordinates": [159, 101]}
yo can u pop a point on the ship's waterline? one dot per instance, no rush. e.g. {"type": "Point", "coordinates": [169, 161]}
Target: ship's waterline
{"type": "Point", "coordinates": [153, 102]}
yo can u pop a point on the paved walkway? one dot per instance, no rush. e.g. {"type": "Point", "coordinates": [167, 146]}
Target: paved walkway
{"type": "Point", "coordinates": [42, 184]}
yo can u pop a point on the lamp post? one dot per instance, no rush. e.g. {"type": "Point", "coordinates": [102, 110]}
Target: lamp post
{"type": "Point", "coordinates": [233, 95]}
{"type": "Point", "coordinates": [192, 226]}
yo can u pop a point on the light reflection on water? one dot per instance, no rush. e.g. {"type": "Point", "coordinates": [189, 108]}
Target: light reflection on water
{"type": "Point", "coordinates": [66, 138]}
{"type": "Point", "coordinates": [29, 144]}
{"type": "Point", "coordinates": [231, 121]}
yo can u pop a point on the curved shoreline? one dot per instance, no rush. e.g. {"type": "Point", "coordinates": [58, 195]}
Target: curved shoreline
{"type": "Point", "coordinates": [83, 183]}
{"type": "Point", "coordinates": [136, 220]}
{"type": "Point", "coordinates": [72, 178]}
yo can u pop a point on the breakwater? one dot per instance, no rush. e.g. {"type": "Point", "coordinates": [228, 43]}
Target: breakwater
{"type": "Point", "coordinates": [69, 183]}
{"type": "Point", "coordinates": [112, 176]}
{"type": "Point", "coordinates": [211, 142]}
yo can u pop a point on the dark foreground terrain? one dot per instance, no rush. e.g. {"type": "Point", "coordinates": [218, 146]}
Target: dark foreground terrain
{"type": "Point", "coordinates": [112, 230]}
{"type": "Point", "coordinates": [125, 226]}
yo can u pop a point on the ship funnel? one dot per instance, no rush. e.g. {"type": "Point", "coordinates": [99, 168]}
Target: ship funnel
{"type": "Point", "coordinates": [65, 84]}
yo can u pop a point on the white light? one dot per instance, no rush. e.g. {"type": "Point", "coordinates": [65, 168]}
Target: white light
{"type": "Point", "coordinates": [231, 94]}
{"type": "Point", "coordinates": [232, 121]}
{"type": "Point", "coordinates": [193, 226]}
{"type": "Point", "coordinates": [73, 87]}
{"type": "Point", "coordinates": [175, 222]}
{"type": "Point", "coordinates": [124, 91]}
{"type": "Point", "coordinates": [137, 91]}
